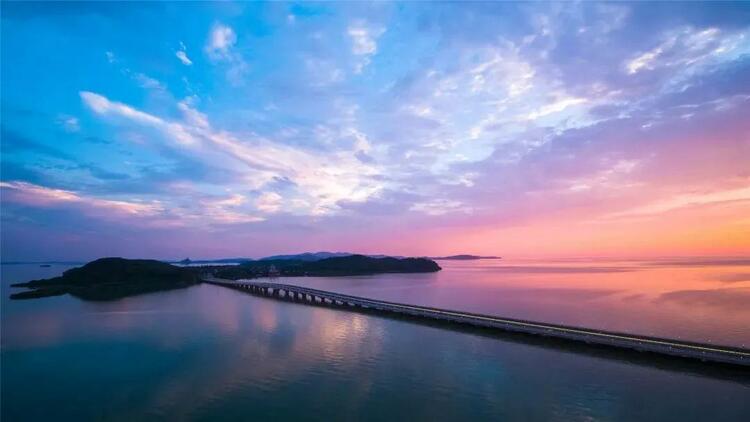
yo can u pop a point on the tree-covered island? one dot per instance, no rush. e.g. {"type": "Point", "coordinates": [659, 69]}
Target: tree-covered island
{"type": "Point", "coordinates": [114, 278]}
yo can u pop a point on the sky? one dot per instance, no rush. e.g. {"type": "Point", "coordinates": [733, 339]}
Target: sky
{"type": "Point", "coordinates": [204, 130]}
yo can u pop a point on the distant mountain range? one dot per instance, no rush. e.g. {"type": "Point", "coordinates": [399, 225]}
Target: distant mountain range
{"type": "Point", "coordinates": [213, 261]}
{"type": "Point", "coordinates": [464, 257]}
{"type": "Point", "coordinates": [317, 256]}
{"type": "Point", "coordinates": [307, 256]}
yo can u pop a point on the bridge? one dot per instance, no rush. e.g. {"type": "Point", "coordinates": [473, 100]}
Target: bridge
{"type": "Point", "coordinates": [663, 346]}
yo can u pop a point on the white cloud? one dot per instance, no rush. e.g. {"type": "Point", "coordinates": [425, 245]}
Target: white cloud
{"type": "Point", "coordinates": [612, 178]}
{"type": "Point", "coordinates": [690, 48]}
{"type": "Point", "coordinates": [686, 200]}
{"type": "Point", "coordinates": [102, 105]}
{"type": "Point", "coordinates": [322, 179]}
{"type": "Point", "coordinates": [182, 55]}
{"type": "Point", "coordinates": [68, 123]}
{"type": "Point", "coordinates": [192, 116]}
{"type": "Point", "coordinates": [644, 61]}
{"type": "Point", "coordinates": [207, 210]}
{"type": "Point", "coordinates": [110, 57]}
{"type": "Point", "coordinates": [41, 196]}
{"type": "Point", "coordinates": [221, 39]}
{"type": "Point", "coordinates": [322, 72]}
{"type": "Point", "coordinates": [148, 82]}
{"type": "Point", "coordinates": [555, 107]}
{"type": "Point", "coordinates": [491, 95]}
{"type": "Point", "coordinates": [440, 207]}
{"type": "Point", "coordinates": [233, 201]}
{"type": "Point", "coordinates": [222, 211]}
{"type": "Point", "coordinates": [220, 48]}
{"type": "Point", "coordinates": [183, 58]}
{"type": "Point", "coordinates": [269, 202]}
{"type": "Point", "coordinates": [364, 42]}
{"type": "Point", "coordinates": [236, 72]}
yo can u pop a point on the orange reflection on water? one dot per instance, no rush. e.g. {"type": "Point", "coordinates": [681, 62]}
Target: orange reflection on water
{"type": "Point", "coordinates": [697, 299]}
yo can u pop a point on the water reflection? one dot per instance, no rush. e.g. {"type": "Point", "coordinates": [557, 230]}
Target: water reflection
{"type": "Point", "coordinates": [209, 353]}
{"type": "Point", "coordinates": [734, 300]}
{"type": "Point", "coordinates": [548, 269]}
{"type": "Point", "coordinates": [732, 277]}
{"type": "Point", "coordinates": [701, 262]}
{"type": "Point", "coordinates": [273, 346]}
{"type": "Point", "coordinates": [669, 298]}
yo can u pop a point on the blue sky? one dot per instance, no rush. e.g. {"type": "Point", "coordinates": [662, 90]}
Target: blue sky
{"type": "Point", "coordinates": [214, 129]}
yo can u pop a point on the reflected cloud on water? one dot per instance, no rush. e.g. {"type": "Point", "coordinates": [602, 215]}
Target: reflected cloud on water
{"type": "Point", "coordinates": [734, 300]}
{"type": "Point", "coordinates": [276, 344]}
{"type": "Point", "coordinates": [733, 277]}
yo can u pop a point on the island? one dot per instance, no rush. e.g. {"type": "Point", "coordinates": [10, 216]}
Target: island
{"type": "Point", "coordinates": [111, 278]}
{"type": "Point", "coordinates": [349, 265]}
{"type": "Point", "coordinates": [115, 278]}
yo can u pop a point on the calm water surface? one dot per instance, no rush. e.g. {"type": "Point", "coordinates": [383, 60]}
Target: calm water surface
{"type": "Point", "coordinates": [706, 300]}
{"type": "Point", "coordinates": [208, 353]}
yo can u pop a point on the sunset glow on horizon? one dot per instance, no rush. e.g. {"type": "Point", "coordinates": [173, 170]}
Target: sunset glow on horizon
{"type": "Point", "coordinates": [214, 130]}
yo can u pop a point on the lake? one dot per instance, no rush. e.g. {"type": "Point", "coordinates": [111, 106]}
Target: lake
{"type": "Point", "coordinates": [207, 352]}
